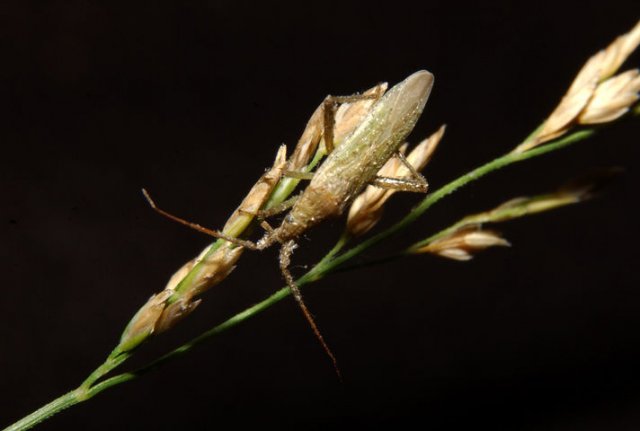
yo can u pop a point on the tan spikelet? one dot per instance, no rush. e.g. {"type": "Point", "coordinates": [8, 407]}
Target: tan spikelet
{"type": "Point", "coordinates": [143, 323]}
{"type": "Point", "coordinates": [257, 196]}
{"type": "Point", "coordinates": [612, 98]}
{"type": "Point", "coordinates": [467, 236]}
{"type": "Point", "coordinates": [462, 244]}
{"type": "Point", "coordinates": [593, 97]}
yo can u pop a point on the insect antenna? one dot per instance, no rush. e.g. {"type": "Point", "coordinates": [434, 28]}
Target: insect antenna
{"type": "Point", "coordinates": [216, 234]}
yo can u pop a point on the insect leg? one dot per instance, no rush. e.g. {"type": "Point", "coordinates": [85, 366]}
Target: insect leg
{"type": "Point", "coordinates": [299, 175]}
{"type": "Point", "coordinates": [400, 184]}
{"type": "Point", "coordinates": [330, 106]}
{"type": "Point", "coordinates": [278, 209]}
{"type": "Point", "coordinates": [267, 227]}
{"type": "Point", "coordinates": [285, 259]}
{"type": "Point", "coordinates": [414, 173]}
{"type": "Point", "coordinates": [214, 233]}
{"type": "Point", "coordinates": [274, 210]}
{"type": "Point", "coordinates": [414, 183]}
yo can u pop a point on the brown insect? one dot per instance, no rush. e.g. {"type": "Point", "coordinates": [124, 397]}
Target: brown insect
{"type": "Point", "coordinates": [348, 168]}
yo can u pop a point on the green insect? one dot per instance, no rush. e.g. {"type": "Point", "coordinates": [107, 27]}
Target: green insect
{"type": "Point", "coordinates": [347, 170]}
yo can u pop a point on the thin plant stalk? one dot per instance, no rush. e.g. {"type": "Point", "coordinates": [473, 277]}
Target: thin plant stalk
{"type": "Point", "coordinates": [329, 263]}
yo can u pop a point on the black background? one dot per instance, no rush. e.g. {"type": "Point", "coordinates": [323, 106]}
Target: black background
{"type": "Point", "coordinates": [191, 101]}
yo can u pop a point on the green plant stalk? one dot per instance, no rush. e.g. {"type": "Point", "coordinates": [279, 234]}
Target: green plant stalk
{"type": "Point", "coordinates": [331, 262]}
{"type": "Point", "coordinates": [454, 185]}
{"type": "Point", "coordinates": [328, 264]}
{"type": "Point", "coordinates": [88, 390]}
{"type": "Point", "coordinates": [64, 402]}
{"type": "Point", "coordinates": [495, 215]}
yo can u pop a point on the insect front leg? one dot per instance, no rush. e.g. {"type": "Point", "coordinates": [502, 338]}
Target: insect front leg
{"type": "Point", "coordinates": [274, 210]}
{"type": "Point", "coordinates": [277, 209]}
{"type": "Point", "coordinates": [286, 250]}
{"type": "Point", "coordinates": [349, 117]}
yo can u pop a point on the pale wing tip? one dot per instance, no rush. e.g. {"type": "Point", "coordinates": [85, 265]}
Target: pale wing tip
{"type": "Point", "coordinates": [421, 81]}
{"type": "Point", "coordinates": [417, 86]}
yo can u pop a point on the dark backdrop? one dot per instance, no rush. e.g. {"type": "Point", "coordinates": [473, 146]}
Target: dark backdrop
{"type": "Point", "coordinates": [191, 101]}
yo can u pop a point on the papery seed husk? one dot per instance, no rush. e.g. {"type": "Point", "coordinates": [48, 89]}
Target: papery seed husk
{"type": "Point", "coordinates": [618, 52]}
{"type": "Point", "coordinates": [598, 68]}
{"type": "Point", "coordinates": [484, 239]}
{"type": "Point", "coordinates": [257, 196]}
{"type": "Point", "coordinates": [180, 274]}
{"type": "Point", "coordinates": [174, 313]}
{"type": "Point", "coordinates": [143, 323]}
{"type": "Point", "coordinates": [455, 254]}
{"type": "Point", "coordinates": [612, 98]}
{"type": "Point", "coordinates": [213, 269]}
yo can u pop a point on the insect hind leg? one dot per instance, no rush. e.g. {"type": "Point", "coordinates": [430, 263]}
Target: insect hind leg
{"type": "Point", "coordinates": [286, 250]}
{"type": "Point", "coordinates": [415, 182]}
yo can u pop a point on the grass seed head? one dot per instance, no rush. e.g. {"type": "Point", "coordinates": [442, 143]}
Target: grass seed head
{"type": "Point", "coordinates": [612, 99]}
{"type": "Point", "coordinates": [595, 96]}
{"type": "Point", "coordinates": [463, 244]}
{"type": "Point", "coordinates": [466, 237]}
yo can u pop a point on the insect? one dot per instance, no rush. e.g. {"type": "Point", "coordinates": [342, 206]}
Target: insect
{"type": "Point", "coordinates": [349, 167]}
